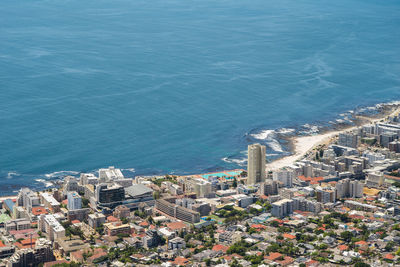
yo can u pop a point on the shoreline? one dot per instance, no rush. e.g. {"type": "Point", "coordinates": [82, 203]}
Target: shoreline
{"type": "Point", "coordinates": [301, 146]}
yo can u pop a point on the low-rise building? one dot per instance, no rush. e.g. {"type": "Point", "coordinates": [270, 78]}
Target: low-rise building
{"type": "Point", "coordinates": [176, 243]}
{"type": "Point", "coordinates": [66, 245]}
{"type": "Point", "coordinates": [96, 220]}
{"type": "Point", "coordinates": [121, 212]}
{"type": "Point", "coordinates": [17, 224]}
{"type": "Point", "coordinates": [113, 229]}
{"type": "Point", "coordinates": [176, 211]}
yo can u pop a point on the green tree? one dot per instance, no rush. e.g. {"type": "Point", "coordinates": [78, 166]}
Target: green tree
{"type": "Point", "coordinates": [234, 184]}
{"type": "Point", "coordinates": [346, 235]}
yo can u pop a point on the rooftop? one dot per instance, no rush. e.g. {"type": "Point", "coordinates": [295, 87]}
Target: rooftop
{"type": "Point", "coordinates": [137, 190]}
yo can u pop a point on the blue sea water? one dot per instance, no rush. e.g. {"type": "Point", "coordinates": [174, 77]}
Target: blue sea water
{"type": "Point", "coordinates": [178, 85]}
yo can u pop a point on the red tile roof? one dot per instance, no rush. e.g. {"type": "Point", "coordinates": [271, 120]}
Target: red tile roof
{"type": "Point", "coordinates": [273, 256]}
{"type": "Point", "coordinates": [361, 243]}
{"type": "Point", "coordinates": [176, 226]}
{"type": "Point", "coordinates": [388, 256]}
{"type": "Point", "coordinates": [112, 219]}
{"type": "Point", "coordinates": [220, 247]}
{"type": "Point", "coordinates": [286, 261]}
{"type": "Point", "coordinates": [98, 255]}
{"type": "Point", "coordinates": [258, 226]}
{"type": "Point", "coordinates": [26, 243]}
{"type": "Point", "coordinates": [180, 261]}
{"type": "Point", "coordinates": [78, 255]}
{"type": "Point", "coordinates": [144, 224]}
{"type": "Point", "coordinates": [38, 211]}
{"type": "Point", "coordinates": [289, 236]}
{"type": "Point", "coordinates": [312, 180]}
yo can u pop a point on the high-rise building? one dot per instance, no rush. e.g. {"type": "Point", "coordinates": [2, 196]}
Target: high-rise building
{"type": "Point", "coordinates": [41, 252]}
{"type": "Point", "coordinates": [48, 224]}
{"type": "Point", "coordinates": [349, 139]}
{"type": "Point", "coordinates": [325, 195]}
{"type": "Point", "coordinates": [284, 176]}
{"type": "Point", "coordinates": [395, 146]}
{"type": "Point", "coordinates": [70, 184]}
{"type": "Point", "coordinates": [88, 178]}
{"type": "Point", "coordinates": [109, 196]}
{"type": "Point", "coordinates": [347, 188]}
{"type": "Point", "coordinates": [374, 179]}
{"type": "Point", "coordinates": [74, 201]}
{"type": "Point", "coordinates": [269, 187]}
{"type": "Point", "coordinates": [201, 187]}
{"type": "Point", "coordinates": [27, 199]}
{"type": "Point", "coordinates": [256, 164]}
{"type": "Point", "coordinates": [282, 208]}
{"type": "Point", "coordinates": [356, 189]}
{"type": "Point", "coordinates": [50, 202]}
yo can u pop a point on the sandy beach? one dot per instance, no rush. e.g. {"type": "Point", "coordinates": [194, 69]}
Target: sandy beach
{"type": "Point", "coordinates": [304, 144]}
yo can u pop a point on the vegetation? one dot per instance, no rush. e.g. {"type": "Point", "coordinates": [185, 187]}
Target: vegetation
{"type": "Point", "coordinates": [72, 231]}
{"type": "Point", "coordinates": [85, 203]}
{"type": "Point", "coordinates": [240, 248]}
{"type": "Point", "coordinates": [167, 178]}
{"type": "Point", "coordinates": [231, 215]}
{"type": "Point", "coordinates": [71, 264]}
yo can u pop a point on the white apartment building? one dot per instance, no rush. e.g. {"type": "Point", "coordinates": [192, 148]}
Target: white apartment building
{"type": "Point", "coordinates": [110, 174]}
{"type": "Point", "coordinates": [74, 201]}
{"type": "Point", "coordinates": [282, 208]}
{"type": "Point", "coordinates": [202, 188]}
{"type": "Point", "coordinates": [48, 224]}
{"type": "Point", "coordinates": [349, 189]}
{"type": "Point", "coordinates": [50, 202]}
{"type": "Point", "coordinates": [284, 176]}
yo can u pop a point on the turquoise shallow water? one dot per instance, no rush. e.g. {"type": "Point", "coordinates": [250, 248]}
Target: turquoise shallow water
{"type": "Point", "coordinates": [177, 86]}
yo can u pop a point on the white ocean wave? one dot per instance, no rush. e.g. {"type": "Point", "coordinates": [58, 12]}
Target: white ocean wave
{"type": "Point", "coordinates": [46, 183]}
{"type": "Point", "coordinates": [310, 129]}
{"type": "Point", "coordinates": [12, 174]}
{"type": "Point", "coordinates": [240, 162]}
{"type": "Point", "coordinates": [129, 169]}
{"type": "Point", "coordinates": [285, 131]}
{"type": "Point", "coordinates": [264, 135]}
{"type": "Point", "coordinates": [275, 146]}
{"type": "Point", "coordinates": [60, 173]}
{"type": "Point", "coordinates": [270, 137]}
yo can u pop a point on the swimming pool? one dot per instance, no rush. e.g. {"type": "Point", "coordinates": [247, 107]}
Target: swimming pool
{"type": "Point", "coordinates": [227, 175]}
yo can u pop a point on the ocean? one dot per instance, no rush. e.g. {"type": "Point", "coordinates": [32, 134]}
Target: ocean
{"type": "Point", "coordinates": [179, 87]}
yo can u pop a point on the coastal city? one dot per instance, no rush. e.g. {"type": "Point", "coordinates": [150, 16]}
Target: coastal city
{"type": "Point", "coordinates": [337, 203]}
